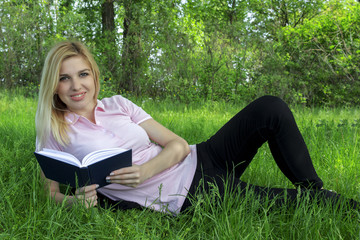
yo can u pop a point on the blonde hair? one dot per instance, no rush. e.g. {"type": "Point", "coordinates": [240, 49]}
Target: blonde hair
{"type": "Point", "coordinates": [50, 114]}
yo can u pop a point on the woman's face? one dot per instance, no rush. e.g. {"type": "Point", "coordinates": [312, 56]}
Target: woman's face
{"type": "Point", "coordinates": [76, 86]}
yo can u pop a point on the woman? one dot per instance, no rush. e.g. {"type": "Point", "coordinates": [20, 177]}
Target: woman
{"type": "Point", "coordinates": [165, 168]}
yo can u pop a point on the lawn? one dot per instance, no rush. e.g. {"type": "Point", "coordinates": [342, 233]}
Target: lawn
{"type": "Point", "coordinates": [332, 136]}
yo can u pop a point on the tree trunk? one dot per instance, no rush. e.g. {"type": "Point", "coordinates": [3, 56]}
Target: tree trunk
{"type": "Point", "coordinates": [109, 34]}
{"type": "Point", "coordinates": [132, 51]}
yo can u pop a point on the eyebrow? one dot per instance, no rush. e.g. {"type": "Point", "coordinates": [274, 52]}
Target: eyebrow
{"type": "Point", "coordinates": [65, 74]}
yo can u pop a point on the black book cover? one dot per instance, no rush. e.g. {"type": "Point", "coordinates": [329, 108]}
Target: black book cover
{"type": "Point", "coordinates": [78, 177]}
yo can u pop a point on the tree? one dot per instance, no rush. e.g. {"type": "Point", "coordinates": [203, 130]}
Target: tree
{"type": "Point", "coordinates": [109, 50]}
{"type": "Point", "coordinates": [21, 55]}
{"type": "Point", "coordinates": [268, 16]}
{"type": "Point", "coordinates": [132, 58]}
{"type": "Point", "coordinates": [325, 51]}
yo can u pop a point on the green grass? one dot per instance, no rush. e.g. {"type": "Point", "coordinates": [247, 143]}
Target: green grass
{"type": "Point", "coordinates": [332, 136]}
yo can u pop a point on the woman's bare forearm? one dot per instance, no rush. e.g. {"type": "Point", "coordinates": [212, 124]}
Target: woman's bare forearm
{"type": "Point", "coordinates": [174, 152]}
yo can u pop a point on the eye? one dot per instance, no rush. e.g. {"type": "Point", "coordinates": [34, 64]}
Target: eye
{"type": "Point", "coordinates": [63, 78]}
{"type": "Point", "coordinates": [84, 74]}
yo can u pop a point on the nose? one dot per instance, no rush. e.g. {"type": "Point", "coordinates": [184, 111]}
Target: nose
{"type": "Point", "coordinates": [76, 84]}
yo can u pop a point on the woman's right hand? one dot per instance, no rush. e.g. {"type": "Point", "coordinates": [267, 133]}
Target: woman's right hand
{"type": "Point", "coordinates": [87, 195]}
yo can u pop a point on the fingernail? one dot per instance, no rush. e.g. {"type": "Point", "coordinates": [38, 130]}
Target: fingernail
{"type": "Point", "coordinates": [97, 185]}
{"type": "Point", "coordinates": [111, 174]}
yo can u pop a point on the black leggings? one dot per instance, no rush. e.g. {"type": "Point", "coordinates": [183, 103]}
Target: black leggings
{"type": "Point", "coordinates": [227, 154]}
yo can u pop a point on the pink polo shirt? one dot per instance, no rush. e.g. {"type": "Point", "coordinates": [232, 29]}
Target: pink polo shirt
{"type": "Point", "coordinates": [117, 125]}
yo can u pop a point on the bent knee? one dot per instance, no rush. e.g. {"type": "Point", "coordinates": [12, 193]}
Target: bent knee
{"type": "Point", "coordinates": [271, 105]}
{"type": "Point", "coordinates": [271, 99]}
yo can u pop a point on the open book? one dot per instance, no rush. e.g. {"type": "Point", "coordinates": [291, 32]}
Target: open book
{"type": "Point", "coordinates": [93, 169]}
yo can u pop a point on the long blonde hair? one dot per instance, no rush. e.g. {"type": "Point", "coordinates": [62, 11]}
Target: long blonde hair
{"type": "Point", "coordinates": [50, 114]}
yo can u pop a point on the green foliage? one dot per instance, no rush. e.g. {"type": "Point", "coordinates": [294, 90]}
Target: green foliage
{"type": "Point", "coordinates": [20, 46]}
{"type": "Point", "coordinates": [324, 51]}
{"type": "Point", "coordinates": [271, 15]}
{"type": "Point", "coordinates": [302, 51]}
{"type": "Point", "coordinates": [108, 89]}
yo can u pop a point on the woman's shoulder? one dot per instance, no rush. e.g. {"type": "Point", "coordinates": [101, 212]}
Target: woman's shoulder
{"type": "Point", "coordinates": [114, 98]}
{"type": "Point", "coordinates": [115, 102]}
{"type": "Point", "coordinates": [120, 105]}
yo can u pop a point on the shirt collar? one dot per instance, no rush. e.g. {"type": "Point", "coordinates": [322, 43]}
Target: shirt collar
{"type": "Point", "coordinates": [72, 118]}
{"type": "Point", "coordinates": [100, 106]}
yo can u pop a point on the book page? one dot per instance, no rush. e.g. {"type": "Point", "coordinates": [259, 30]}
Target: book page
{"type": "Point", "coordinates": [61, 156]}
{"type": "Point", "coordinates": [99, 155]}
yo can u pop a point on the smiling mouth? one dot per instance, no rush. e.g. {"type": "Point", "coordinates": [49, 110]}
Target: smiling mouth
{"type": "Point", "coordinates": [78, 97]}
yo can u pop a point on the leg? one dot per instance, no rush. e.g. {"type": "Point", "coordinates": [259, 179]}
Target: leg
{"type": "Point", "coordinates": [204, 178]}
{"type": "Point", "coordinates": [266, 119]}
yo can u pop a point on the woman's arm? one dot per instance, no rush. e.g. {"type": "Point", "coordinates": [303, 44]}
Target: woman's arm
{"type": "Point", "coordinates": [86, 195]}
{"type": "Point", "coordinates": [175, 150]}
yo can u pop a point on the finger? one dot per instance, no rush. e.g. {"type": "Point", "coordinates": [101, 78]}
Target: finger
{"type": "Point", "coordinates": [125, 170]}
{"type": "Point", "coordinates": [88, 195]}
{"type": "Point", "coordinates": [91, 202]}
{"type": "Point", "coordinates": [85, 195]}
{"type": "Point", "coordinates": [126, 178]}
{"type": "Point", "coordinates": [89, 198]}
{"type": "Point", "coordinates": [86, 189]}
{"type": "Point", "coordinates": [127, 182]}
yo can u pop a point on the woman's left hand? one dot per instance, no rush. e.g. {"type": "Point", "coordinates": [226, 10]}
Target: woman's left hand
{"type": "Point", "coordinates": [129, 176]}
